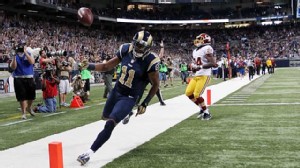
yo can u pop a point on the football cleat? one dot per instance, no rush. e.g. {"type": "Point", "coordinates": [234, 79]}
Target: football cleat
{"type": "Point", "coordinates": [126, 119]}
{"type": "Point", "coordinates": [24, 117]}
{"type": "Point", "coordinates": [31, 112]}
{"type": "Point", "coordinates": [206, 116]}
{"type": "Point", "coordinates": [162, 103]}
{"type": "Point", "coordinates": [83, 158]}
{"type": "Point", "coordinates": [200, 115]}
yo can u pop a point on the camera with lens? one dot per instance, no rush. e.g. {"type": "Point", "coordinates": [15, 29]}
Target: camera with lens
{"type": "Point", "coordinates": [49, 67]}
{"type": "Point", "coordinates": [57, 53]}
{"type": "Point", "coordinates": [65, 63]}
{"type": "Point", "coordinates": [20, 47]}
{"type": "Point", "coordinates": [48, 70]}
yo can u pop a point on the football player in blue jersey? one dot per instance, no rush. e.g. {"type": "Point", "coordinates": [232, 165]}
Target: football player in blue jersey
{"type": "Point", "coordinates": [138, 64]}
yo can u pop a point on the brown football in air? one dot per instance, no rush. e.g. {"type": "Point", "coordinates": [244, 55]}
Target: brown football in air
{"type": "Point", "coordinates": [85, 16]}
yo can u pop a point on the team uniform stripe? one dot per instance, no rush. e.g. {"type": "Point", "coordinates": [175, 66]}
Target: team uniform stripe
{"type": "Point", "coordinates": [154, 61]}
{"type": "Point", "coordinates": [205, 85]}
{"type": "Point", "coordinates": [130, 48]}
{"type": "Point", "coordinates": [140, 36]}
{"type": "Point", "coordinates": [120, 50]}
{"type": "Point", "coordinates": [149, 40]}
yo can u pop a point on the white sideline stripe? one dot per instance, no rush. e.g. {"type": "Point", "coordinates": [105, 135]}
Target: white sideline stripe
{"type": "Point", "coordinates": [139, 130]}
{"type": "Point", "coordinates": [258, 104]}
{"type": "Point", "coordinates": [52, 114]}
{"type": "Point", "coordinates": [16, 122]}
{"type": "Point", "coordinates": [84, 107]}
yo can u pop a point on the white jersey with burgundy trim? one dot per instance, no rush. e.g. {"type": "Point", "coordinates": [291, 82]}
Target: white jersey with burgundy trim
{"type": "Point", "coordinates": [200, 59]}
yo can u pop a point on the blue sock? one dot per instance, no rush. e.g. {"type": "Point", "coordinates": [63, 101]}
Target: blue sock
{"type": "Point", "coordinates": [104, 135]}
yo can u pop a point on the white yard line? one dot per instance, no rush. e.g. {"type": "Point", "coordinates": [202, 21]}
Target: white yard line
{"type": "Point", "coordinates": [52, 114]}
{"type": "Point", "coordinates": [257, 104]}
{"type": "Point", "coordinates": [80, 108]}
{"type": "Point", "coordinates": [16, 122]}
{"type": "Point", "coordinates": [140, 129]}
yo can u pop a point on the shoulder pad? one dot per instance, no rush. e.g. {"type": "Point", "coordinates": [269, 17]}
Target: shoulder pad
{"type": "Point", "coordinates": [124, 49]}
{"type": "Point", "coordinates": [153, 60]}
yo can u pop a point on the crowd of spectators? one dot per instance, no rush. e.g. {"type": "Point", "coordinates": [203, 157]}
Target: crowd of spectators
{"type": "Point", "coordinates": [94, 43]}
{"type": "Point", "coordinates": [180, 12]}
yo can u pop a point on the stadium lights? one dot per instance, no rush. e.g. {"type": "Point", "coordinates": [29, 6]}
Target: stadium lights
{"type": "Point", "coordinates": [122, 20]}
{"type": "Point", "coordinates": [277, 7]}
{"type": "Point", "coordinates": [277, 21]}
{"type": "Point", "coordinates": [32, 11]}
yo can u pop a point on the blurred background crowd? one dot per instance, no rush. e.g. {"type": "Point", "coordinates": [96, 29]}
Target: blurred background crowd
{"type": "Point", "coordinates": [95, 44]}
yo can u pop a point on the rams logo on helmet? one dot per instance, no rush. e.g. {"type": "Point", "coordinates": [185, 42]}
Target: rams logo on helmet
{"type": "Point", "coordinates": [142, 42]}
{"type": "Point", "coordinates": [202, 39]}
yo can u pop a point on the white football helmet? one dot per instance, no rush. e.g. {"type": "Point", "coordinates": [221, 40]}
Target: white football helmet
{"type": "Point", "coordinates": [202, 39]}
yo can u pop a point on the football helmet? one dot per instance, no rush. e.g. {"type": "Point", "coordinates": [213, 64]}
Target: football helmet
{"type": "Point", "coordinates": [142, 42]}
{"type": "Point", "coordinates": [202, 39]}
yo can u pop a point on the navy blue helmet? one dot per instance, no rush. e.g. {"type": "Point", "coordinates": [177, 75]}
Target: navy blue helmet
{"type": "Point", "coordinates": [142, 42]}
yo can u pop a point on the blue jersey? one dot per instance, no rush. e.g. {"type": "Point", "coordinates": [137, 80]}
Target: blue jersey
{"type": "Point", "coordinates": [24, 68]}
{"type": "Point", "coordinates": [134, 71]}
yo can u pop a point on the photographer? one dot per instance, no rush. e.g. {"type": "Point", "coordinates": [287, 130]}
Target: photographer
{"type": "Point", "coordinates": [22, 63]}
{"type": "Point", "coordinates": [49, 88]}
{"type": "Point", "coordinates": [78, 86]}
{"type": "Point", "coordinates": [44, 60]}
{"type": "Point", "coordinates": [64, 68]}
{"type": "Point", "coordinates": [107, 77]}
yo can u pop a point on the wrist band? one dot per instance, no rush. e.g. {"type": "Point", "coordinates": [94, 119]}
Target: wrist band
{"type": "Point", "coordinates": [147, 100]}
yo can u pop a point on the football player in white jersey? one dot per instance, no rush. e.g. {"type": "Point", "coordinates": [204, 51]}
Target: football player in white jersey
{"type": "Point", "coordinates": [203, 61]}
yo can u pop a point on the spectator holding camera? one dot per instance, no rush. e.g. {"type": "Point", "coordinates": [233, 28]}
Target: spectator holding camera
{"type": "Point", "coordinates": [22, 65]}
{"type": "Point", "coordinates": [64, 68]}
{"type": "Point", "coordinates": [78, 86]}
{"type": "Point", "coordinates": [44, 60]}
{"type": "Point", "coordinates": [49, 88]}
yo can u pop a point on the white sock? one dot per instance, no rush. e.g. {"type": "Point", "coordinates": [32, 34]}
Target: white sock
{"type": "Point", "coordinates": [206, 111]}
{"type": "Point", "coordinates": [90, 152]}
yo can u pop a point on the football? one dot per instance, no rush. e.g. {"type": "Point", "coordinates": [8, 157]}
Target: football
{"type": "Point", "coordinates": [85, 16]}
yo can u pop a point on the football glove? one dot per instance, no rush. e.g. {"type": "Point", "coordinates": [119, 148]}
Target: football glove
{"type": "Point", "coordinates": [141, 109]}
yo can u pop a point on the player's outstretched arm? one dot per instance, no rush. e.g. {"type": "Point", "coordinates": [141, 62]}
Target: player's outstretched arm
{"type": "Point", "coordinates": [102, 67]}
{"type": "Point", "coordinates": [162, 50]}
